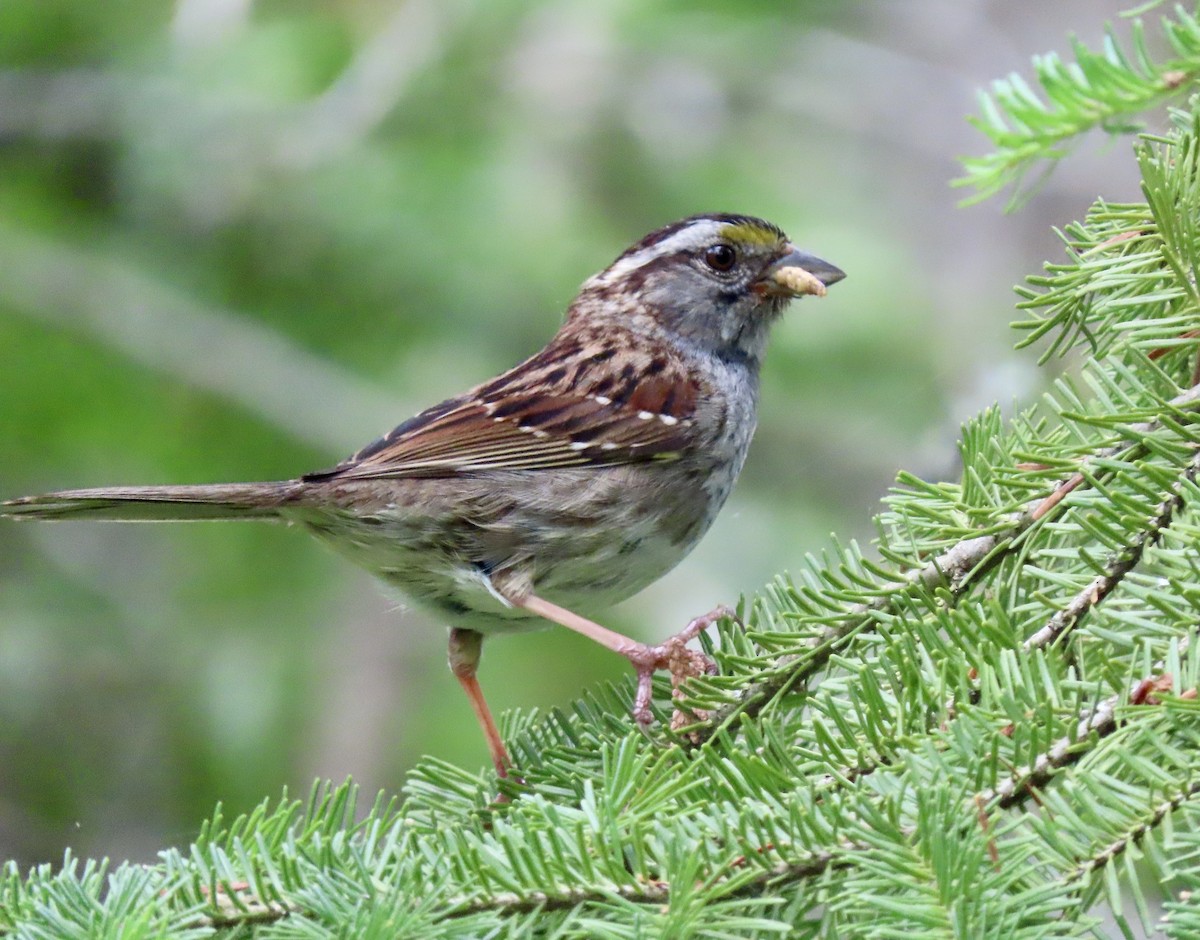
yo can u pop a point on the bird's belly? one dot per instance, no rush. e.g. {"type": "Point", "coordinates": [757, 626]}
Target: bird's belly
{"type": "Point", "coordinates": [584, 544]}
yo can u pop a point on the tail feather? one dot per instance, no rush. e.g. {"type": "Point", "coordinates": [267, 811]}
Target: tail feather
{"type": "Point", "coordinates": [158, 503]}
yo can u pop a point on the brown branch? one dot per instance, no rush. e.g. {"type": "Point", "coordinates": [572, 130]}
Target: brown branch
{"type": "Point", "coordinates": [654, 892]}
{"type": "Point", "coordinates": [1121, 564]}
{"type": "Point", "coordinates": [1101, 722]}
{"type": "Point", "coordinates": [253, 911]}
{"type": "Point", "coordinates": [950, 570]}
{"type": "Point", "coordinates": [1062, 753]}
{"type": "Point", "coordinates": [1135, 835]}
{"type": "Point", "coordinates": [1187, 401]}
{"type": "Point", "coordinates": [234, 903]}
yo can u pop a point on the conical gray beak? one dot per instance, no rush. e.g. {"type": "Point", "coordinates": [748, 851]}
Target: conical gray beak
{"type": "Point", "coordinates": [798, 273]}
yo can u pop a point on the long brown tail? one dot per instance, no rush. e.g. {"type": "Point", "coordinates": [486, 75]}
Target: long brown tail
{"type": "Point", "coordinates": [158, 503]}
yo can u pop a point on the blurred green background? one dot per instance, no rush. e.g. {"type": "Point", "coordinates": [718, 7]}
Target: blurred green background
{"type": "Point", "coordinates": [239, 239]}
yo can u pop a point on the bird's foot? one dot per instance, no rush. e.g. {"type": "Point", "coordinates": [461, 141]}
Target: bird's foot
{"type": "Point", "coordinates": [682, 663]}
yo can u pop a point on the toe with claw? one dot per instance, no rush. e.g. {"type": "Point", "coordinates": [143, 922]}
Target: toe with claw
{"type": "Point", "coordinates": [673, 656]}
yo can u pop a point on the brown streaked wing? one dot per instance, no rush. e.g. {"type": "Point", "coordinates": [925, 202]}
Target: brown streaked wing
{"type": "Point", "coordinates": [523, 422]}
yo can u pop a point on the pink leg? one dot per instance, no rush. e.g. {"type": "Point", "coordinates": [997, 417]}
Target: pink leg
{"type": "Point", "coordinates": [465, 647]}
{"type": "Point", "coordinates": [672, 654]}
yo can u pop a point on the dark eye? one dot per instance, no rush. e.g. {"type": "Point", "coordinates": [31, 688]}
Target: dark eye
{"type": "Point", "coordinates": [721, 258]}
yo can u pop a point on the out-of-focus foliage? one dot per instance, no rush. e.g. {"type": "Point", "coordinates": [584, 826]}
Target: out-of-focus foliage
{"type": "Point", "coordinates": [239, 239]}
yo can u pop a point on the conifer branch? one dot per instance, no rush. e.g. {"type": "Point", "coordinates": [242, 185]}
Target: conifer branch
{"type": "Point", "coordinates": [1097, 724]}
{"type": "Point", "coordinates": [1101, 722]}
{"type": "Point", "coordinates": [774, 876]}
{"type": "Point", "coordinates": [950, 570]}
{"type": "Point", "coordinates": [1108, 89]}
{"type": "Point", "coordinates": [239, 907]}
{"type": "Point", "coordinates": [1120, 565]}
{"type": "Point", "coordinates": [954, 570]}
{"type": "Point", "coordinates": [1109, 853]}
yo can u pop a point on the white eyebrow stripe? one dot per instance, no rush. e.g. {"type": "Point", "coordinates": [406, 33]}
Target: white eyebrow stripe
{"type": "Point", "coordinates": [689, 238]}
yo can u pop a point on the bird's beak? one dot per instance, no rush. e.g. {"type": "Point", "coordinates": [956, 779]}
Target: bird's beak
{"type": "Point", "coordinates": [798, 273]}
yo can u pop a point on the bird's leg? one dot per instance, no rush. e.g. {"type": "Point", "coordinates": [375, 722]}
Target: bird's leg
{"type": "Point", "coordinates": [464, 650]}
{"type": "Point", "coordinates": [672, 654]}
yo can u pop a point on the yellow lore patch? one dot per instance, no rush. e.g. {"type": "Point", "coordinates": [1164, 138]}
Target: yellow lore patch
{"type": "Point", "coordinates": [746, 233]}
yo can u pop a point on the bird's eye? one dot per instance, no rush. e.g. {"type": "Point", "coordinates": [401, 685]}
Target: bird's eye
{"type": "Point", "coordinates": [720, 258]}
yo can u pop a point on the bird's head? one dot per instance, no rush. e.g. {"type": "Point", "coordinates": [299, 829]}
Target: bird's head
{"type": "Point", "coordinates": [715, 282]}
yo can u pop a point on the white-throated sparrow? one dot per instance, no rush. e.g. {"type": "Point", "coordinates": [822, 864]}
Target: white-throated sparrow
{"type": "Point", "coordinates": [568, 483]}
